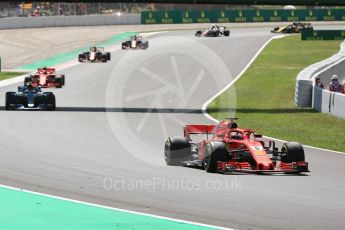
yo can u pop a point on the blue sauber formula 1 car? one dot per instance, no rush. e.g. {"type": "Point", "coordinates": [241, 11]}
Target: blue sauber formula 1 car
{"type": "Point", "coordinates": [30, 98]}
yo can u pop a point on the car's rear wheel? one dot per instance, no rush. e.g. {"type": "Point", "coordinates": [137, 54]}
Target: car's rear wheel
{"type": "Point", "coordinates": [108, 56]}
{"type": "Point", "coordinates": [177, 150]}
{"type": "Point", "coordinates": [59, 82]}
{"type": "Point", "coordinates": [292, 152]}
{"type": "Point", "coordinates": [81, 57]}
{"type": "Point", "coordinates": [10, 101]}
{"type": "Point", "coordinates": [215, 151]}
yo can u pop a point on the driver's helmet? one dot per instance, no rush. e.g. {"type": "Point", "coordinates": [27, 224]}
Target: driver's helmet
{"type": "Point", "coordinates": [334, 77]}
{"type": "Point", "coordinates": [30, 87]}
{"type": "Point", "coordinates": [236, 136]}
{"type": "Point", "coordinates": [94, 49]}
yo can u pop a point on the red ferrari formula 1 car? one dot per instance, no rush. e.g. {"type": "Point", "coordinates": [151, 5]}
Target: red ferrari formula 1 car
{"type": "Point", "coordinates": [227, 148]}
{"type": "Point", "coordinates": [46, 78]}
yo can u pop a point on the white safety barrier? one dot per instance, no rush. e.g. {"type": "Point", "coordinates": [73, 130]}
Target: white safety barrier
{"type": "Point", "coordinates": [57, 21]}
{"type": "Point", "coordinates": [329, 102]}
{"type": "Point", "coordinates": [305, 79]}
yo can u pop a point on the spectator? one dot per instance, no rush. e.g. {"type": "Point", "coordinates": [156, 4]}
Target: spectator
{"type": "Point", "coordinates": [318, 83]}
{"type": "Point", "coordinates": [335, 85]}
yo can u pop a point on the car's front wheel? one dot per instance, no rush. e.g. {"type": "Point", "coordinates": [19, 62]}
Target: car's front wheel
{"type": "Point", "coordinates": [10, 101]}
{"type": "Point", "coordinates": [292, 152]}
{"type": "Point", "coordinates": [50, 101]}
{"type": "Point", "coordinates": [215, 151]}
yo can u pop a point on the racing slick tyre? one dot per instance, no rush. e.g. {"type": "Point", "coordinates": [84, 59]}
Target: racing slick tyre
{"type": "Point", "coordinates": [198, 33]}
{"type": "Point", "coordinates": [50, 101]}
{"type": "Point", "coordinates": [124, 45]}
{"type": "Point", "coordinates": [226, 33]}
{"type": "Point", "coordinates": [81, 57]}
{"type": "Point", "coordinates": [60, 81]}
{"type": "Point", "coordinates": [27, 80]}
{"type": "Point", "coordinates": [177, 150]}
{"type": "Point", "coordinates": [292, 152]}
{"type": "Point", "coordinates": [63, 79]}
{"type": "Point", "coordinates": [144, 45]}
{"type": "Point", "coordinates": [108, 56]}
{"type": "Point", "coordinates": [215, 151]}
{"type": "Point", "coordinates": [10, 101]}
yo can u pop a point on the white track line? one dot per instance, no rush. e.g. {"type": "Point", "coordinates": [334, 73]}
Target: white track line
{"type": "Point", "coordinates": [115, 209]}
{"type": "Point", "coordinates": [204, 106]}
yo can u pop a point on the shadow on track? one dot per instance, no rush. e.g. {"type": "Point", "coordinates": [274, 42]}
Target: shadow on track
{"type": "Point", "coordinates": [123, 110]}
{"type": "Point", "coordinates": [173, 110]}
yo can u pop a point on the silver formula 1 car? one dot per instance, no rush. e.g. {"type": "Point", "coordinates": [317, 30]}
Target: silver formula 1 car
{"type": "Point", "coordinates": [30, 98]}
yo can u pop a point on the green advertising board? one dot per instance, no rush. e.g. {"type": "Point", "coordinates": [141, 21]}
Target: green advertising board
{"type": "Point", "coordinates": [224, 16]}
{"type": "Point", "coordinates": [312, 35]}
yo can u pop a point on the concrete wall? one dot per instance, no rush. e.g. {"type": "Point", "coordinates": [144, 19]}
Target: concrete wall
{"type": "Point", "coordinates": [305, 79]}
{"type": "Point", "coordinates": [329, 102]}
{"type": "Point", "coordinates": [57, 21]}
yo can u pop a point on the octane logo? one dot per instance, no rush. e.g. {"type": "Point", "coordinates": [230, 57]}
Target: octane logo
{"type": "Point", "coordinates": [153, 93]}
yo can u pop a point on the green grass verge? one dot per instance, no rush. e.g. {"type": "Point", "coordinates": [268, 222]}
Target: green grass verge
{"type": "Point", "coordinates": [7, 75]}
{"type": "Point", "coordinates": [265, 95]}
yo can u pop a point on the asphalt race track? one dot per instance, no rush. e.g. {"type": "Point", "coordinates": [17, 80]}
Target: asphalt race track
{"type": "Point", "coordinates": [104, 144]}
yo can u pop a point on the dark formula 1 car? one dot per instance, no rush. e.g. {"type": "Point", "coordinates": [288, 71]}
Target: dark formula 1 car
{"type": "Point", "coordinates": [136, 42]}
{"type": "Point", "coordinates": [45, 77]}
{"type": "Point", "coordinates": [227, 148]}
{"type": "Point", "coordinates": [295, 27]}
{"type": "Point", "coordinates": [213, 31]}
{"type": "Point", "coordinates": [96, 54]}
{"type": "Point", "coordinates": [29, 97]}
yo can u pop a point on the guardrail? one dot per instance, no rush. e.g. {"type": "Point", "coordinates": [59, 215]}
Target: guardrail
{"type": "Point", "coordinates": [305, 79]}
{"type": "Point", "coordinates": [57, 21]}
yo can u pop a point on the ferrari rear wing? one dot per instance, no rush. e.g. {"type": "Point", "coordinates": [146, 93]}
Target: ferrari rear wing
{"type": "Point", "coordinates": [197, 129]}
